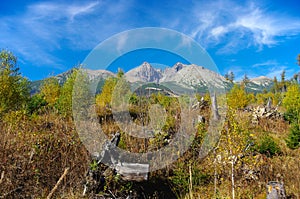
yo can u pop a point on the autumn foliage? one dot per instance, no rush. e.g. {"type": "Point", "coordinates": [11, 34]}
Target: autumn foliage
{"type": "Point", "coordinates": [39, 140]}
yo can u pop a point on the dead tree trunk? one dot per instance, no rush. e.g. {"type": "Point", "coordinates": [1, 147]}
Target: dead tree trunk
{"type": "Point", "coordinates": [275, 190]}
{"type": "Point", "coordinates": [214, 106]}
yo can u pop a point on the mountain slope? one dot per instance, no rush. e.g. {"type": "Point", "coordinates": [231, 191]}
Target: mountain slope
{"type": "Point", "coordinates": [193, 76]}
{"type": "Point", "coordinates": [180, 78]}
{"type": "Point", "coordinates": [143, 73]}
{"type": "Point", "coordinates": [259, 84]}
{"type": "Point", "coordinates": [93, 76]}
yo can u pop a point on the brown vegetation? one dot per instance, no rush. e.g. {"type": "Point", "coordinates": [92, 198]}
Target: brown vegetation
{"type": "Point", "coordinates": [41, 153]}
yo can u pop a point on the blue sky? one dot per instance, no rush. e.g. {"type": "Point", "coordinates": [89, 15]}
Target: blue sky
{"type": "Point", "coordinates": [254, 37]}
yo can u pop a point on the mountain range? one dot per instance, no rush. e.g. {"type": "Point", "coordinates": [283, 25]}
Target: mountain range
{"type": "Point", "coordinates": [180, 78]}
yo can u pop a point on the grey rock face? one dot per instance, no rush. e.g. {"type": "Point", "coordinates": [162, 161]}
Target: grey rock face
{"type": "Point", "coordinates": [144, 73]}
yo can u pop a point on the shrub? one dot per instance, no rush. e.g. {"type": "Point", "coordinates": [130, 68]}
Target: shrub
{"type": "Point", "coordinates": [293, 140]}
{"type": "Point", "coordinates": [35, 103]}
{"type": "Point", "coordinates": [268, 146]}
{"type": "Point", "coordinates": [181, 177]}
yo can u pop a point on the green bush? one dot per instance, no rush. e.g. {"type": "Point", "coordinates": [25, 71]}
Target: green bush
{"type": "Point", "coordinates": [293, 140]}
{"type": "Point", "coordinates": [268, 146]}
{"type": "Point", "coordinates": [181, 177]}
{"type": "Point", "coordinates": [35, 103]}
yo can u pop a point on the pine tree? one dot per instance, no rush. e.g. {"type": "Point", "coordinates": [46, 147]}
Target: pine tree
{"type": "Point", "coordinates": [226, 76]}
{"type": "Point", "coordinates": [283, 82]}
{"type": "Point", "coordinates": [231, 76]}
{"type": "Point", "coordinates": [246, 80]}
{"type": "Point", "coordinates": [276, 86]}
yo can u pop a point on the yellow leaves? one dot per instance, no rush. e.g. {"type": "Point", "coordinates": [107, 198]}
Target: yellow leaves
{"type": "Point", "coordinates": [237, 97]}
{"type": "Point", "coordinates": [14, 89]}
{"type": "Point", "coordinates": [292, 98]}
{"type": "Point", "coordinates": [104, 99]}
{"type": "Point", "coordinates": [51, 91]}
{"type": "Point", "coordinates": [262, 98]}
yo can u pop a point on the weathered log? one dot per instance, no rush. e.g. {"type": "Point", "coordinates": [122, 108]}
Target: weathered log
{"type": "Point", "coordinates": [127, 170]}
{"type": "Point", "coordinates": [133, 171]}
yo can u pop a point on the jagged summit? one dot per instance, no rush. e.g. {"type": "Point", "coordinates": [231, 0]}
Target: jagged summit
{"type": "Point", "coordinates": [178, 66]}
{"type": "Point", "coordinates": [182, 76]}
{"type": "Point", "coordinates": [143, 73]}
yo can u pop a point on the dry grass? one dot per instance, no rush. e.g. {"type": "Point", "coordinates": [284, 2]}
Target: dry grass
{"type": "Point", "coordinates": [34, 153]}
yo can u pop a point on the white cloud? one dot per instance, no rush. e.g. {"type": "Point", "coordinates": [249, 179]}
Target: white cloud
{"type": "Point", "coordinates": [122, 42]}
{"type": "Point", "coordinates": [233, 26]}
{"type": "Point", "coordinates": [57, 11]}
{"type": "Point", "coordinates": [46, 27]}
{"type": "Point", "coordinates": [266, 63]}
{"type": "Point", "coordinates": [267, 27]}
{"type": "Point", "coordinates": [75, 10]}
{"type": "Point", "coordinates": [185, 43]}
{"type": "Point", "coordinates": [276, 71]}
{"type": "Point", "coordinates": [220, 30]}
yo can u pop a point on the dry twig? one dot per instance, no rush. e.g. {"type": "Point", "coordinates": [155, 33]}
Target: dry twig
{"type": "Point", "coordinates": [58, 182]}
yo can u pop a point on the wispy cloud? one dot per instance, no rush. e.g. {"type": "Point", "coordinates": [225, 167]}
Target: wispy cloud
{"type": "Point", "coordinates": [273, 68]}
{"type": "Point", "coordinates": [57, 11]}
{"type": "Point", "coordinates": [267, 27]}
{"type": "Point", "coordinates": [121, 42]}
{"type": "Point", "coordinates": [232, 26]}
{"type": "Point", "coordinates": [46, 28]}
{"type": "Point", "coordinates": [45, 33]}
{"type": "Point", "coordinates": [277, 71]}
{"type": "Point", "coordinates": [267, 63]}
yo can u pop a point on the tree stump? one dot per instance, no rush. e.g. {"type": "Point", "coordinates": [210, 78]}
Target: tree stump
{"type": "Point", "coordinates": [275, 190]}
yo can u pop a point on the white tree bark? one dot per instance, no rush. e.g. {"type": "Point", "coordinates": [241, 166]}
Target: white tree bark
{"type": "Point", "coordinates": [214, 106]}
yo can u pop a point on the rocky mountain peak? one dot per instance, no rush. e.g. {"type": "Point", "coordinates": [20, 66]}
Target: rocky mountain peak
{"type": "Point", "coordinates": [143, 73]}
{"type": "Point", "coordinates": [178, 66]}
{"type": "Point", "coordinates": [146, 65]}
{"type": "Point", "coordinates": [181, 76]}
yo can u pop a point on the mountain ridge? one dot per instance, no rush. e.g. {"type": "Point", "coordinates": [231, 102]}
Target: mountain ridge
{"type": "Point", "coordinates": [179, 75]}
